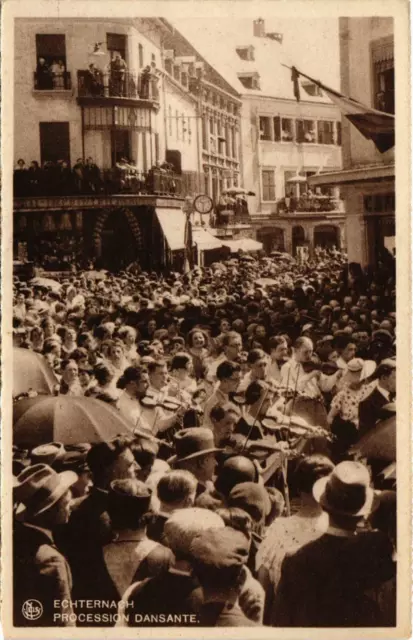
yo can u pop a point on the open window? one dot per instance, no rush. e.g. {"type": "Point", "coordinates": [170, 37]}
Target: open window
{"type": "Point", "coordinates": [268, 185]}
{"type": "Point", "coordinates": [325, 132]}
{"type": "Point", "coordinates": [287, 129]}
{"type": "Point", "coordinates": [51, 63]}
{"type": "Point", "coordinates": [265, 128]}
{"type": "Point", "coordinates": [306, 131]}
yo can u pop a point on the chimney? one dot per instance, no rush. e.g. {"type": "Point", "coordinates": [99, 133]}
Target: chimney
{"type": "Point", "coordinates": [259, 28]}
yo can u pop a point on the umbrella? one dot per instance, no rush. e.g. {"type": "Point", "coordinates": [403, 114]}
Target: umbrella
{"type": "Point", "coordinates": [380, 442]}
{"type": "Point", "coordinates": [32, 371]}
{"type": "Point", "coordinates": [266, 282]}
{"type": "Point", "coordinates": [96, 275]}
{"type": "Point", "coordinates": [66, 419]}
{"type": "Point", "coordinates": [46, 283]}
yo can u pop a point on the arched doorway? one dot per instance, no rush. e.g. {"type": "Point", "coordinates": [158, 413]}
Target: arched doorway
{"type": "Point", "coordinates": [272, 239]}
{"type": "Point", "coordinates": [117, 238]}
{"type": "Point", "coordinates": [327, 236]}
{"type": "Point", "coordinates": [298, 238]}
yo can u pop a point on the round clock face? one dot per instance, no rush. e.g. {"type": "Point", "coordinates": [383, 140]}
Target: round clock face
{"type": "Point", "coordinates": [203, 204]}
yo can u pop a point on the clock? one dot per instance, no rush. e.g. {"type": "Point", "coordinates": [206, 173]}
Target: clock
{"type": "Point", "coordinates": [203, 204]}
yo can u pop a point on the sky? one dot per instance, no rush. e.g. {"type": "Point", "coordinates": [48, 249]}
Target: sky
{"type": "Point", "coordinates": [311, 43]}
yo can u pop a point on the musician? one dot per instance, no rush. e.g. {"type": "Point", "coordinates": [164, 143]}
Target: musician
{"type": "Point", "coordinates": [278, 355]}
{"type": "Point", "coordinates": [232, 347]}
{"type": "Point", "coordinates": [307, 387]}
{"type": "Point", "coordinates": [224, 418]}
{"type": "Point", "coordinates": [257, 361]}
{"type": "Point", "coordinates": [229, 377]}
{"type": "Point", "coordinates": [135, 384]}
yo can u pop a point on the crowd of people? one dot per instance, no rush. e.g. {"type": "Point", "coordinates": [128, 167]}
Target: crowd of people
{"type": "Point", "coordinates": [241, 495]}
{"type": "Point", "coordinates": [86, 178]}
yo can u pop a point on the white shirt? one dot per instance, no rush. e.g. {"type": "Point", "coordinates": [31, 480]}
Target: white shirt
{"type": "Point", "coordinates": [131, 409]}
{"type": "Point", "coordinates": [293, 377]}
{"type": "Point", "coordinates": [384, 392]}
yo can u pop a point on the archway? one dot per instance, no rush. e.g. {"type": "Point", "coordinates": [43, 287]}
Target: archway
{"type": "Point", "coordinates": [117, 238]}
{"type": "Point", "coordinates": [327, 236]}
{"type": "Point", "coordinates": [298, 238]}
{"type": "Point", "coordinates": [272, 239]}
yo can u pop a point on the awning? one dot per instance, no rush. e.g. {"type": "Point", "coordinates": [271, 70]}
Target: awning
{"type": "Point", "coordinates": [172, 223]}
{"type": "Point", "coordinates": [245, 244]}
{"type": "Point", "coordinates": [372, 173]}
{"type": "Point", "coordinates": [204, 239]}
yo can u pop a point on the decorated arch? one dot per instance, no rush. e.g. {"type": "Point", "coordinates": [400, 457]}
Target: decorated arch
{"type": "Point", "coordinates": [133, 224]}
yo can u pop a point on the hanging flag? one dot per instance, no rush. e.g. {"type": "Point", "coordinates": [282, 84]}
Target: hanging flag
{"type": "Point", "coordinates": [294, 78]}
{"type": "Point", "coordinates": [188, 245]}
{"type": "Point", "coordinates": [374, 125]}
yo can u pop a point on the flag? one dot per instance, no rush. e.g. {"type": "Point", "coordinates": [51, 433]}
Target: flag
{"type": "Point", "coordinates": [374, 125]}
{"type": "Point", "coordinates": [188, 245]}
{"type": "Point", "coordinates": [294, 78]}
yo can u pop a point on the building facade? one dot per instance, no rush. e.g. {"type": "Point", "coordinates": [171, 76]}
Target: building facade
{"type": "Point", "coordinates": [367, 181]}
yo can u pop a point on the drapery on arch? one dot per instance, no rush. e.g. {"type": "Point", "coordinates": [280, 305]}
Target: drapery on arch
{"type": "Point", "coordinates": [133, 223]}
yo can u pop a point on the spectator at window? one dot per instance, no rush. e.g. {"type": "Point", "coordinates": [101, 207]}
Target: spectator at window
{"type": "Point", "coordinates": [78, 175]}
{"type": "Point", "coordinates": [20, 178]}
{"type": "Point", "coordinates": [43, 75]}
{"type": "Point", "coordinates": [34, 178]}
{"type": "Point", "coordinates": [57, 70]}
{"type": "Point", "coordinates": [91, 174]}
{"type": "Point", "coordinates": [94, 80]}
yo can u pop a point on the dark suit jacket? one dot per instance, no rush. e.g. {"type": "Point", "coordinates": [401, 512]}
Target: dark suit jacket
{"type": "Point", "coordinates": [370, 411]}
{"type": "Point", "coordinates": [329, 582]}
{"type": "Point", "coordinates": [40, 572]}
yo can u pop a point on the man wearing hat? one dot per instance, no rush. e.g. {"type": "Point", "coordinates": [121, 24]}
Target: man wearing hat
{"type": "Point", "coordinates": [385, 391]}
{"type": "Point", "coordinates": [328, 582]}
{"type": "Point", "coordinates": [195, 452]}
{"type": "Point", "coordinates": [218, 557]}
{"type": "Point", "coordinates": [40, 571]}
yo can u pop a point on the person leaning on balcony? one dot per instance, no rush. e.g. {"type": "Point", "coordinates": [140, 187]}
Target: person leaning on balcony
{"type": "Point", "coordinates": [78, 176]}
{"type": "Point", "coordinates": [94, 80]}
{"type": "Point", "coordinates": [92, 177]}
{"type": "Point", "coordinates": [118, 68]}
{"type": "Point", "coordinates": [58, 74]}
{"type": "Point", "coordinates": [43, 75]}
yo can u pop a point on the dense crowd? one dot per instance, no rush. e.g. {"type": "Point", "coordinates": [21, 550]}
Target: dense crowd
{"type": "Point", "coordinates": [239, 492]}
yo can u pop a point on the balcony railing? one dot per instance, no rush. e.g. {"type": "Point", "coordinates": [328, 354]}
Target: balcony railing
{"type": "Point", "coordinates": [117, 84]}
{"type": "Point", "coordinates": [309, 204]}
{"type": "Point", "coordinates": [52, 82]}
{"type": "Point", "coordinates": [53, 182]}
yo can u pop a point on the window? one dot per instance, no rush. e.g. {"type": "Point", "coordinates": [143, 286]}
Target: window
{"type": "Point", "coordinates": [121, 146]}
{"type": "Point", "coordinates": [170, 120]}
{"type": "Point", "coordinates": [153, 57]}
{"type": "Point", "coordinates": [306, 131]}
{"type": "Point", "coordinates": [51, 64]}
{"type": "Point", "coordinates": [177, 72]}
{"type": "Point", "coordinates": [290, 189]}
{"type": "Point", "coordinates": [157, 155]}
{"type": "Point", "coordinates": [245, 53]}
{"type": "Point", "coordinates": [325, 132]}
{"type": "Point", "coordinates": [265, 128]}
{"type": "Point", "coordinates": [51, 47]}
{"type": "Point", "coordinates": [268, 185]}
{"type": "Point", "coordinates": [382, 52]}
{"type": "Point", "coordinates": [54, 142]}
{"type": "Point", "coordinates": [234, 150]}
{"type": "Point", "coordinates": [287, 129]}
{"type": "Point", "coordinates": [312, 89]}
{"type": "Point", "coordinates": [211, 126]}
{"type": "Point", "coordinates": [277, 129]}
{"type": "Point", "coordinates": [116, 42]}
{"type": "Point", "coordinates": [338, 135]}
{"type": "Point", "coordinates": [140, 53]}
{"type": "Point", "coordinates": [250, 80]}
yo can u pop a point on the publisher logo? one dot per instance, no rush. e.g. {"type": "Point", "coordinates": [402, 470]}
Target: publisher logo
{"type": "Point", "coordinates": [32, 609]}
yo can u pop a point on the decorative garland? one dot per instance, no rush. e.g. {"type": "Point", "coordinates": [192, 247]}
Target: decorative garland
{"type": "Point", "coordinates": [133, 223]}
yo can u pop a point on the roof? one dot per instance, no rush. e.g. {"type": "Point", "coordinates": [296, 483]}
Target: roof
{"type": "Point", "coordinates": [269, 56]}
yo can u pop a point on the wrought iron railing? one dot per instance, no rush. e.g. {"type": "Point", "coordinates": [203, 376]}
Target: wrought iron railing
{"type": "Point", "coordinates": [309, 204]}
{"type": "Point", "coordinates": [117, 84]}
{"type": "Point", "coordinates": [56, 182]}
{"type": "Point", "coordinates": [49, 81]}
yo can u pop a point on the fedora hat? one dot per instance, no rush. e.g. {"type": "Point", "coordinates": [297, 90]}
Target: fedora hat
{"type": "Point", "coordinates": [51, 453]}
{"type": "Point", "coordinates": [192, 443]}
{"type": "Point", "coordinates": [346, 491]}
{"type": "Point", "coordinates": [39, 487]}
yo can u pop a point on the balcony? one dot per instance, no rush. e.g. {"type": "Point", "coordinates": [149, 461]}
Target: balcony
{"type": "Point", "coordinates": [52, 82]}
{"type": "Point", "coordinates": [117, 87]}
{"type": "Point", "coordinates": [309, 204]}
{"type": "Point", "coordinates": [63, 189]}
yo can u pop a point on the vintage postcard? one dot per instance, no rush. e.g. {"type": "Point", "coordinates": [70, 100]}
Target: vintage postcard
{"type": "Point", "coordinates": [205, 319]}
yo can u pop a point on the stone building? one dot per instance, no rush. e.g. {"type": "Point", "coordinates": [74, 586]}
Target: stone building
{"type": "Point", "coordinates": [367, 181]}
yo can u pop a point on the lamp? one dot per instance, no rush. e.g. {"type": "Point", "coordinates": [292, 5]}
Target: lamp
{"type": "Point", "coordinates": [97, 49]}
